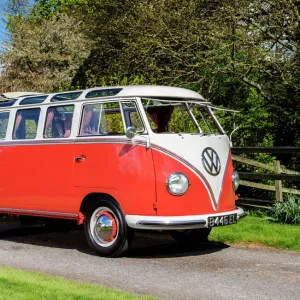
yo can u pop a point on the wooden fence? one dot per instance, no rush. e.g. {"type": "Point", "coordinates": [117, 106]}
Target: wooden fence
{"type": "Point", "coordinates": [278, 174]}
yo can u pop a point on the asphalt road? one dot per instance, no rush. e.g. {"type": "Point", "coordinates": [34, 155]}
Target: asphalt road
{"type": "Point", "coordinates": [156, 265]}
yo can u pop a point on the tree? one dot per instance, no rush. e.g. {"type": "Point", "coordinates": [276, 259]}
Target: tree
{"type": "Point", "coordinates": [45, 9]}
{"type": "Point", "coordinates": [44, 57]}
{"type": "Point", "coordinates": [13, 8]}
{"type": "Point", "coordinates": [243, 54]}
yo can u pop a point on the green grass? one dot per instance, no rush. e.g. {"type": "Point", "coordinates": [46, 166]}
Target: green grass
{"type": "Point", "coordinates": [261, 231]}
{"type": "Point", "coordinates": [19, 285]}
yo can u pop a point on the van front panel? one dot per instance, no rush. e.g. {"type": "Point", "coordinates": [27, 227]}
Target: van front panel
{"type": "Point", "coordinates": [207, 193]}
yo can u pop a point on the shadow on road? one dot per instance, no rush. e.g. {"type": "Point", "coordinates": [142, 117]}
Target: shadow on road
{"type": "Point", "coordinates": [145, 245]}
{"type": "Point", "coordinates": [157, 245]}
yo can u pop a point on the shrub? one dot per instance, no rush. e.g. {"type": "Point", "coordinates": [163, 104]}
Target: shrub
{"type": "Point", "coordinates": [287, 212]}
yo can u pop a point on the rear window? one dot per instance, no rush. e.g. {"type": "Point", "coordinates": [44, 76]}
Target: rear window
{"type": "Point", "coordinates": [7, 103]}
{"type": "Point", "coordinates": [33, 100]}
{"type": "Point", "coordinates": [66, 96]}
{"type": "Point", "coordinates": [103, 93]}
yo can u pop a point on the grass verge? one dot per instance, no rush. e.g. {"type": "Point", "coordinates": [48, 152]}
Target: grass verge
{"type": "Point", "coordinates": [19, 285]}
{"type": "Point", "coordinates": [261, 231]}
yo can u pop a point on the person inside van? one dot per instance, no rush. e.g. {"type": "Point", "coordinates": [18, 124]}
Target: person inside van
{"type": "Point", "coordinates": [67, 125]}
{"type": "Point", "coordinates": [86, 127]}
{"type": "Point", "coordinates": [58, 124]}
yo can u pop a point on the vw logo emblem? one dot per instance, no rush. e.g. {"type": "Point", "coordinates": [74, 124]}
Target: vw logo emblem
{"type": "Point", "coordinates": [211, 161]}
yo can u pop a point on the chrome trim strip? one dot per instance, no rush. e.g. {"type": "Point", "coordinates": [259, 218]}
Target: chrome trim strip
{"type": "Point", "coordinates": [172, 223]}
{"type": "Point", "coordinates": [102, 140]}
{"type": "Point", "coordinates": [177, 222]}
{"type": "Point", "coordinates": [243, 215]}
{"type": "Point", "coordinates": [38, 142]}
{"type": "Point", "coordinates": [79, 140]}
{"type": "Point", "coordinates": [38, 212]}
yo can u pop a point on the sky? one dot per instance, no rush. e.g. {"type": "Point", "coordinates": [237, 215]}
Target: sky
{"type": "Point", "coordinates": [3, 32]}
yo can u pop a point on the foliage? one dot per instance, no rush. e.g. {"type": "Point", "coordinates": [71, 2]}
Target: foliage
{"type": "Point", "coordinates": [45, 9]}
{"type": "Point", "coordinates": [242, 54]}
{"type": "Point", "coordinates": [15, 8]}
{"type": "Point", "coordinates": [46, 56]}
{"type": "Point", "coordinates": [287, 212]}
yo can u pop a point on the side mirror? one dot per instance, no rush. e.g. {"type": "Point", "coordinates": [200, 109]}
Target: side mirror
{"type": "Point", "coordinates": [130, 132]}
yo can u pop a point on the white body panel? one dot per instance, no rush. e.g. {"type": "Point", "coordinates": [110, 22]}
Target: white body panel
{"type": "Point", "coordinates": [12, 95]}
{"type": "Point", "coordinates": [159, 92]}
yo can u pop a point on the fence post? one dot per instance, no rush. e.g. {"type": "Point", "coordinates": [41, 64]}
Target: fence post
{"type": "Point", "coordinates": [278, 183]}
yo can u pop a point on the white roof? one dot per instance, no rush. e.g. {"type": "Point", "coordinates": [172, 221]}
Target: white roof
{"type": "Point", "coordinates": [154, 91]}
{"type": "Point", "coordinates": [12, 95]}
{"type": "Point", "coordinates": [143, 91]}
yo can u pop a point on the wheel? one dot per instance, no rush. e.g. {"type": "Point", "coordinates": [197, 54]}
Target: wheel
{"type": "Point", "coordinates": [105, 228]}
{"type": "Point", "coordinates": [191, 236]}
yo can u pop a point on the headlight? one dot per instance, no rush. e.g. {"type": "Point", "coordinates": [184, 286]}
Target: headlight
{"type": "Point", "coordinates": [235, 180]}
{"type": "Point", "coordinates": [177, 184]}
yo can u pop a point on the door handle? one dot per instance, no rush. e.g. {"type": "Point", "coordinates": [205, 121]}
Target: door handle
{"type": "Point", "coordinates": [79, 158]}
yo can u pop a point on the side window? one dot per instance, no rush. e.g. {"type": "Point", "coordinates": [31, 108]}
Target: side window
{"type": "Point", "coordinates": [59, 121]}
{"type": "Point", "coordinates": [132, 116]}
{"type": "Point", "coordinates": [4, 116]}
{"type": "Point", "coordinates": [26, 123]}
{"type": "Point", "coordinates": [101, 119]}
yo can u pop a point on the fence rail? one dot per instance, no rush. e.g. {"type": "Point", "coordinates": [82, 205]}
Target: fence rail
{"type": "Point", "coordinates": [273, 150]}
{"type": "Point", "coordinates": [278, 174]}
{"type": "Point", "coordinates": [268, 187]}
{"type": "Point", "coordinates": [257, 164]}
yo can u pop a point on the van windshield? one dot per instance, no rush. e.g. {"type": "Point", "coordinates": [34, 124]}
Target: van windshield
{"type": "Point", "coordinates": [179, 117]}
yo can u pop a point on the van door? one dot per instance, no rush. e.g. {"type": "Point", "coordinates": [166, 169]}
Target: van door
{"type": "Point", "coordinates": [106, 161]}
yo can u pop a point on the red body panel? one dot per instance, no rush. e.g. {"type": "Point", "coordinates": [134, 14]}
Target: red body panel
{"type": "Point", "coordinates": [127, 169]}
{"type": "Point", "coordinates": [47, 178]}
{"type": "Point", "coordinates": [228, 196]}
{"type": "Point", "coordinates": [197, 199]}
{"type": "Point", "coordinates": [39, 177]}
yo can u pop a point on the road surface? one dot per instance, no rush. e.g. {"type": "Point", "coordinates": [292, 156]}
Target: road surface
{"type": "Point", "coordinates": [156, 265]}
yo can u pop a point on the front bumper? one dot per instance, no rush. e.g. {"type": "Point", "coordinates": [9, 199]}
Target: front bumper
{"type": "Point", "coordinates": [178, 222]}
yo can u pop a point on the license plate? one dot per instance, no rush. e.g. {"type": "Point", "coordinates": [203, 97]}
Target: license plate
{"type": "Point", "coordinates": [222, 220]}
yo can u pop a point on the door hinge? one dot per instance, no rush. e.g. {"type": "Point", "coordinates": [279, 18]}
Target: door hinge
{"type": "Point", "coordinates": [155, 205]}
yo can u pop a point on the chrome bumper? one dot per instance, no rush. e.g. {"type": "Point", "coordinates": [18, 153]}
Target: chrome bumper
{"type": "Point", "coordinates": [177, 222]}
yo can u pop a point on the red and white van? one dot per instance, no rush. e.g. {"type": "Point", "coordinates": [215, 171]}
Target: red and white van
{"type": "Point", "coordinates": [118, 159]}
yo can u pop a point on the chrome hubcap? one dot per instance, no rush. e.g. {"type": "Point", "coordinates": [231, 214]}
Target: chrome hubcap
{"type": "Point", "coordinates": [104, 226]}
